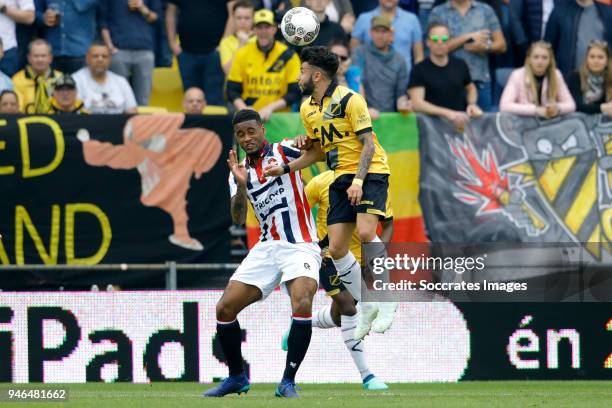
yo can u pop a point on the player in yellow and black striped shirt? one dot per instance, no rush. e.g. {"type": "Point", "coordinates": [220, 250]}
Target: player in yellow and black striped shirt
{"type": "Point", "coordinates": [339, 129]}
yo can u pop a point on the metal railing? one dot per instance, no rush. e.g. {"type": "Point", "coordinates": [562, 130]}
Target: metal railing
{"type": "Point", "coordinates": [171, 267]}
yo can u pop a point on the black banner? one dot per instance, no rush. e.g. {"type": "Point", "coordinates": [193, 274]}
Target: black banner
{"type": "Point", "coordinates": [83, 190]}
{"type": "Point", "coordinates": [540, 341]}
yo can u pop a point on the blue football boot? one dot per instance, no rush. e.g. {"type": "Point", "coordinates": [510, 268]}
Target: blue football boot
{"type": "Point", "coordinates": [231, 385]}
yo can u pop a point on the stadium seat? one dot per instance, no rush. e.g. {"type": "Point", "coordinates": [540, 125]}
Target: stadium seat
{"type": "Point", "coordinates": [152, 109]}
{"type": "Point", "coordinates": [215, 110]}
{"type": "Point", "coordinates": [167, 89]}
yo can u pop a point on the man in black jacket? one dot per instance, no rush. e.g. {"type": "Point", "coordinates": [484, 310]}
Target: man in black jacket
{"type": "Point", "coordinates": [572, 26]}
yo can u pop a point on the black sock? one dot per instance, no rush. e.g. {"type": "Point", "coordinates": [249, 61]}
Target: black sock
{"type": "Point", "coordinates": [230, 338]}
{"type": "Point", "coordinates": [298, 342]}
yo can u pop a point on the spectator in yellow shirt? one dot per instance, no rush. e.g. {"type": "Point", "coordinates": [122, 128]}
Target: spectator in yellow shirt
{"type": "Point", "coordinates": [241, 22]}
{"type": "Point", "coordinates": [264, 73]}
{"type": "Point", "coordinates": [34, 83]}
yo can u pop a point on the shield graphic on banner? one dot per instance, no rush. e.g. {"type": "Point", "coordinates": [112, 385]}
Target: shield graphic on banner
{"type": "Point", "coordinates": [561, 159]}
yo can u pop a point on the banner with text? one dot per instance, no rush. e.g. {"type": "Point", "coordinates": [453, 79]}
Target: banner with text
{"type": "Point", "coordinates": [69, 337]}
{"type": "Point", "coordinates": [83, 190]}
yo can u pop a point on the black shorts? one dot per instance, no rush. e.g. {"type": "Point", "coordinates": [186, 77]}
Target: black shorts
{"type": "Point", "coordinates": [328, 278]}
{"type": "Point", "coordinates": [374, 199]}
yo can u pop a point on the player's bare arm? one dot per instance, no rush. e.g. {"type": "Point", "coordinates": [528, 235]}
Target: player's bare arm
{"type": "Point", "coordinates": [239, 201]}
{"type": "Point", "coordinates": [355, 191]}
{"type": "Point", "coordinates": [310, 157]}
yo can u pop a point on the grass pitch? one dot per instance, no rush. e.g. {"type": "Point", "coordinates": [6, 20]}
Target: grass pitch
{"type": "Point", "coordinates": [466, 394]}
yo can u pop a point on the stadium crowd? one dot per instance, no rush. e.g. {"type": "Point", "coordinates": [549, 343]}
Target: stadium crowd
{"type": "Point", "coordinates": [455, 58]}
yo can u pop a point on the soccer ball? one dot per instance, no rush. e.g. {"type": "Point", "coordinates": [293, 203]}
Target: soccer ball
{"type": "Point", "coordinates": [300, 26]}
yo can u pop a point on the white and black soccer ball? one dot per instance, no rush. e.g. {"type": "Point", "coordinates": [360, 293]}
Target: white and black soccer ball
{"type": "Point", "coordinates": [300, 26]}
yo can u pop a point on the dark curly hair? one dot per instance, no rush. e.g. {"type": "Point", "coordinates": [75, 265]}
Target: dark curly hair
{"type": "Point", "coordinates": [322, 58]}
{"type": "Point", "coordinates": [245, 115]}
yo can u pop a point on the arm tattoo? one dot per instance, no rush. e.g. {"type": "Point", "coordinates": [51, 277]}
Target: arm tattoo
{"type": "Point", "coordinates": [366, 155]}
{"type": "Point", "coordinates": [238, 206]}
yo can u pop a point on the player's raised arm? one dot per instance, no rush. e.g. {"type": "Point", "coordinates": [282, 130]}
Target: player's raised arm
{"type": "Point", "coordinates": [238, 180]}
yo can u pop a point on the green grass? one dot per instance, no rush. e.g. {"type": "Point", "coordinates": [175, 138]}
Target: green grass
{"type": "Point", "coordinates": [467, 394]}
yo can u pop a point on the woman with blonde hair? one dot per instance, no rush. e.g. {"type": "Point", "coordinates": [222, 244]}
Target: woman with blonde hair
{"type": "Point", "coordinates": [538, 88]}
{"type": "Point", "coordinates": [591, 84]}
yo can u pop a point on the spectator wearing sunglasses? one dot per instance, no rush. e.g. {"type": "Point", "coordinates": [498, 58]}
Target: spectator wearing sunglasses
{"type": "Point", "coordinates": [348, 75]}
{"type": "Point", "coordinates": [572, 25]}
{"type": "Point", "coordinates": [441, 85]}
{"type": "Point", "coordinates": [591, 84]}
{"type": "Point", "coordinates": [475, 32]}
{"type": "Point", "coordinates": [538, 88]}
{"type": "Point", "coordinates": [385, 75]}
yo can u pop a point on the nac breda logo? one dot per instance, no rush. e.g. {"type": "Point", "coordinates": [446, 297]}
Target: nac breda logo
{"type": "Point", "coordinates": [563, 178]}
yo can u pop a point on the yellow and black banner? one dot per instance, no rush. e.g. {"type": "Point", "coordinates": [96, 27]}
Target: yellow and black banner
{"type": "Point", "coordinates": [505, 178]}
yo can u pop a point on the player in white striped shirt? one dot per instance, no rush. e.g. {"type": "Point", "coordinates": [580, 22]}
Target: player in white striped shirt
{"type": "Point", "coordinates": [287, 252]}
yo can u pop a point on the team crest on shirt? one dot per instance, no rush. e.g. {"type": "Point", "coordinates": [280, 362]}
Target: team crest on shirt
{"type": "Point", "coordinates": [272, 161]}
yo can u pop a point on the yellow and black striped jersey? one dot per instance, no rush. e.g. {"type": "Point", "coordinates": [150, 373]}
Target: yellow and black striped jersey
{"type": "Point", "coordinates": [337, 124]}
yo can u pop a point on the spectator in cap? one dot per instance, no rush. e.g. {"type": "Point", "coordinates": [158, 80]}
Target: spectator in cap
{"type": "Point", "coordinates": [194, 101]}
{"type": "Point", "coordinates": [9, 102]}
{"type": "Point", "coordinates": [64, 99]}
{"type": "Point", "coordinates": [384, 72]}
{"type": "Point", "coordinates": [264, 73]}
{"type": "Point", "coordinates": [33, 83]}
{"type": "Point", "coordinates": [408, 34]}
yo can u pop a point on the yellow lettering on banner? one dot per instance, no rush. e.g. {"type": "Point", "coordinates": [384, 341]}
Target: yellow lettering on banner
{"type": "Point", "coordinates": [25, 146]}
{"type": "Point", "coordinates": [71, 210]}
{"type": "Point", "coordinates": [5, 169]}
{"type": "Point", "coordinates": [3, 256]}
{"type": "Point", "coordinates": [22, 218]}
{"type": "Point", "coordinates": [606, 223]}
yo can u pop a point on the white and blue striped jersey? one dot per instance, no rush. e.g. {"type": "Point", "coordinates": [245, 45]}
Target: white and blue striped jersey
{"type": "Point", "coordinates": [279, 203]}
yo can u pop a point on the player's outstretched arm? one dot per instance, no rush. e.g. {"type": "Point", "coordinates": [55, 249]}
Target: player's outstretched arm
{"type": "Point", "coordinates": [355, 191]}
